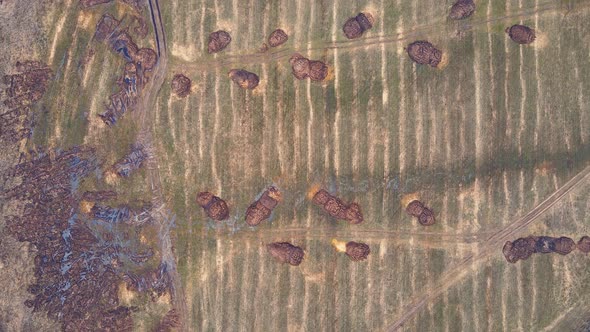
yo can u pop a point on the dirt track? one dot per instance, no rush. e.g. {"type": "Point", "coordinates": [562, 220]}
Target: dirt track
{"type": "Point", "coordinates": [144, 118]}
{"type": "Point", "coordinates": [492, 245]}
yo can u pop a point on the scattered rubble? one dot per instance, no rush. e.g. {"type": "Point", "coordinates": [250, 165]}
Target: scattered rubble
{"type": "Point", "coordinates": [243, 78]}
{"type": "Point", "coordinates": [277, 38]}
{"type": "Point", "coordinates": [354, 27]}
{"type": "Point", "coordinates": [584, 244]}
{"type": "Point", "coordinates": [337, 209]}
{"type": "Point", "coordinates": [462, 9]}
{"type": "Point", "coordinates": [424, 53]}
{"type": "Point", "coordinates": [261, 209]}
{"type": "Point", "coordinates": [285, 252]}
{"type": "Point", "coordinates": [181, 85]}
{"type": "Point", "coordinates": [215, 207]}
{"type": "Point", "coordinates": [218, 41]}
{"type": "Point", "coordinates": [521, 34]}
{"type": "Point", "coordinates": [303, 68]}
{"type": "Point", "coordinates": [130, 162]}
{"type": "Point", "coordinates": [523, 248]}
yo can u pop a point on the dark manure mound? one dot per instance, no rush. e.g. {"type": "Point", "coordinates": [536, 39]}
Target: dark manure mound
{"type": "Point", "coordinates": [285, 252]}
{"type": "Point", "coordinates": [357, 251]}
{"type": "Point", "coordinates": [462, 9]}
{"type": "Point", "coordinates": [424, 53]}
{"type": "Point", "coordinates": [277, 38]}
{"type": "Point", "coordinates": [521, 34]}
{"type": "Point", "coordinates": [218, 41]}
{"type": "Point", "coordinates": [243, 78]}
{"type": "Point", "coordinates": [181, 85]}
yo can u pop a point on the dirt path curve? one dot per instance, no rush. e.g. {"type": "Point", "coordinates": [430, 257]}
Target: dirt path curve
{"type": "Point", "coordinates": [144, 117]}
{"type": "Point", "coordinates": [492, 245]}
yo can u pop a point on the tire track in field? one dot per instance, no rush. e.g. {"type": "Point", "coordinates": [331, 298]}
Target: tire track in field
{"type": "Point", "coordinates": [493, 243]}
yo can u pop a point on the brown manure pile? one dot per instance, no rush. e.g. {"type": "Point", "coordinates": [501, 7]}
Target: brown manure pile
{"type": "Point", "coordinates": [462, 9]}
{"type": "Point", "coordinates": [261, 209]}
{"type": "Point", "coordinates": [244, 79]}
{"type": "Point", "coordinates": [338, 209]}
{"type": "Point", "coordinates": [285, 252]}
{"type": "Point", "coordinates": [181, 85]}
{"type": "Point", "coordinates": [303, 68]}
{"type": "Point", "coordinates": [424, 53]}
{"type": "Point", "coordinates": [277, 38]}
{"type": "Point", "coordinates": [523, 248]}
{"type": "Point", "coordinates": [215, 207]}
{"type": "Point", "coordinates": [218, 41]}
{"type": "Point", "coordinates": [424, 214]}
{"type": "Point", "coordinates": [354, 27]}
{"type": "Point", "coordinates": [521, 34]}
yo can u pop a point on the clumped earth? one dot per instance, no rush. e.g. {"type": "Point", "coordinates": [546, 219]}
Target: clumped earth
{"type": "Point", "coordinates": [337, 209]}
{"type": "Point", "coordinates": [354, 27]}
{"type": "Point", "coordinates": [523, 248]}
{"type": "Point", "coordinates": [521, 34]}
{"type": "Point", "coordinates": [218, 41]}
{"type": "Point", "coordinates": [285, 252]}
{"type": "Point", "coordinates": [181, 85]}
{"type": "Point", "coordinates": [215, 207]}
{"type": "Point", "coordinates": [424, 214]}
{"type": "Point", "coordinates": [424, 53]}
{"type": "Point", "coordinates": [303, 68]}
{"type": "Point", "coordinates": [261, 209]}
{"type": "Point", "coordinates": [277, 38]}
{"type": "Point", "coordinates": [462, 9]}
{"type": "Point", "coordinates": [244, 79]}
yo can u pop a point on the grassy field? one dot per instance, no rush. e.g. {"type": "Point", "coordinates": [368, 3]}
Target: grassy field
{"type": "Point", "coordinates": [482, 141]}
